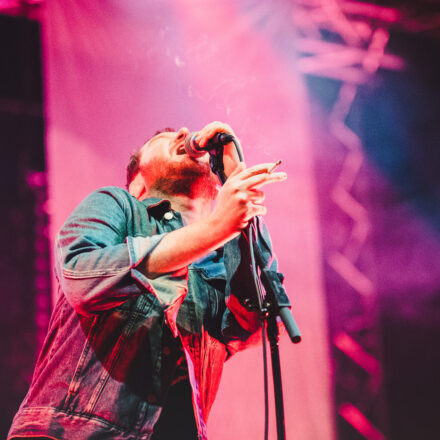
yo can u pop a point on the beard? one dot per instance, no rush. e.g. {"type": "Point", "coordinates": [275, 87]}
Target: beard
{"type": "Point", "coordinates": [185, 178]}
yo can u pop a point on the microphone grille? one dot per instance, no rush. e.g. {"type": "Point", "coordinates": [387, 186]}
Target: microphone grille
{"type": "Point", "coordinates": [191, 146]}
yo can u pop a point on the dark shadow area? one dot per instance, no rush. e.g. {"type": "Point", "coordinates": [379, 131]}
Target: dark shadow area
{"type": "Point", "coordinates": [177, 418]}
{"type": "Point", "coordinates": [397, 117]}
{"type": "Point", "coordinates": [22, 150]}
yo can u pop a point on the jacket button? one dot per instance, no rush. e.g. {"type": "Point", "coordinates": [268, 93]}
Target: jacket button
{"type": "Point", "coordinates": [168, 215]}
{"type": "Point", "coordinates": [166, 350]}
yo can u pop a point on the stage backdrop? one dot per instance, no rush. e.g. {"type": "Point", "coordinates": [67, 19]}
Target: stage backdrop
{"type": "Point", "coordinates": [117, 71]}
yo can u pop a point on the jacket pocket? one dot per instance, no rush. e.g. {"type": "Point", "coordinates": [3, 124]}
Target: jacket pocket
{"type": "Point", "coordinates": [106, 339]}
{"type": "Point", "coordinates": [112, 379]}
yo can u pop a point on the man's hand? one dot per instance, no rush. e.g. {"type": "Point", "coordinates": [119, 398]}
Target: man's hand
{"type": "Point", "coordinates": [230, 156]}
{"type": "Point", "coordinates": [239, 199]}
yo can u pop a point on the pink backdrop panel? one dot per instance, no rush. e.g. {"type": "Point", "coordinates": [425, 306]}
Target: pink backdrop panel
{"type": "Point", "coordinates": [115, 72]}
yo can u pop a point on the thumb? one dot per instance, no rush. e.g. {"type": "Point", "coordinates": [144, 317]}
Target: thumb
{"type": "Point", "coordinates": [238, 169]}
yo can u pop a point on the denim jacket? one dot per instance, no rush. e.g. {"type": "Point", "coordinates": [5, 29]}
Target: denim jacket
{"type": "Point", "coordinates": [110, 352]}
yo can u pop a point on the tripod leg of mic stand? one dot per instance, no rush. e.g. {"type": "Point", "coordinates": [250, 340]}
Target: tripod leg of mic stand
{"type": "Point", "coordinates": [273, 335]}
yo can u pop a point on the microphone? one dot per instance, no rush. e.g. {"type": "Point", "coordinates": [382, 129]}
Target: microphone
{"type": "Point", "coordinates": [217, 141]}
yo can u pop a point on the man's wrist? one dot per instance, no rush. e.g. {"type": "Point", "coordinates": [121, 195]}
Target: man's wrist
{"type": "Point", "coordinates": [218, 232]}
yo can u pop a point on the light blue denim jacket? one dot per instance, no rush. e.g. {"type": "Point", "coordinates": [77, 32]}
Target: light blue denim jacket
{"type": "Point", "coordinates": [110, 353]}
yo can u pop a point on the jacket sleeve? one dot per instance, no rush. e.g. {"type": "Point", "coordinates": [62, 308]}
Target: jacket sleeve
{"type": "Point", "coordinates": [97, 261]}
{"type": "Point", "coordinates": [240, 326]}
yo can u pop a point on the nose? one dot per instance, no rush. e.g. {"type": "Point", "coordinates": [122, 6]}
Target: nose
{"type": "Point", "coordinates": [182, 134]}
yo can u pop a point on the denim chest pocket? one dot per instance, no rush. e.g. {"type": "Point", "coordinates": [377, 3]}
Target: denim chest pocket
{"type": "Point", "coordinates": [115, 352]}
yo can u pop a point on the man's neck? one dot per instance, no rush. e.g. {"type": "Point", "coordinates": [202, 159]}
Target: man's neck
{"type": "Point", "coordinates": [191, 209]}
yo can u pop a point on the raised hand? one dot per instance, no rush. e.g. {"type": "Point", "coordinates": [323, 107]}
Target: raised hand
{"type": "Point", "coordinates": [230, 156]}
{"type": "Point", "coordinates": [240, 199]}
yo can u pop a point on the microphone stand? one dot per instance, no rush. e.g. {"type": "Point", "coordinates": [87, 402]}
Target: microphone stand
{"type": "Point", "coordinates": [275, 303]}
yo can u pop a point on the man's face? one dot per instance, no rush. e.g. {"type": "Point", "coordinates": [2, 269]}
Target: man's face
{"type": "Point", "coordinates": [166, 167]}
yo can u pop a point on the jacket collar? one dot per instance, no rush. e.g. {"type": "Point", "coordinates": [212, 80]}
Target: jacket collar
{"type": "Point", "coordinates": [156, 207]}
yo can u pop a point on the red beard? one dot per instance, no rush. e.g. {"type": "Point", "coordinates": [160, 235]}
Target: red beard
{"type": "Point", "coordinates": [187, 177]}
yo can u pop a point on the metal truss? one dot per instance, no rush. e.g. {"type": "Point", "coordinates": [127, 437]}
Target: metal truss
{"type": "Point", "coordinates": [356, 49]}
{"type": "Point", "coordinates": [37, 182]}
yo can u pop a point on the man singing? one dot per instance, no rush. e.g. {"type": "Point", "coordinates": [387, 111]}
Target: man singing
{"type": "Point", "coordinates": [152, 285]}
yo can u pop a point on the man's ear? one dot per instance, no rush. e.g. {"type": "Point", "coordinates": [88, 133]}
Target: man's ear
{"type": "Point", "coordinates": [137, 187]}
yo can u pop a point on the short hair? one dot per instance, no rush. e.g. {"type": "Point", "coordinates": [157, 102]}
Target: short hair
{"type": "Point", "coordinates": [134, 161]}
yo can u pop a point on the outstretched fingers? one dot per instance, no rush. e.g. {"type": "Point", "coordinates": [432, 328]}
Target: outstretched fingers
{"type": "Point", "coordinates": [238, 169]}
{"type": "Point", "coordinates": [256, 196]}
{"type": "Point", "coordinates": [259, 180]}
{"type": "Point", "coordinates": [256, 169]}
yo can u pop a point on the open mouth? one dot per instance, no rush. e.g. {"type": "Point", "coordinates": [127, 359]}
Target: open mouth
{"type": "Point", "coordinates": [181, 149]}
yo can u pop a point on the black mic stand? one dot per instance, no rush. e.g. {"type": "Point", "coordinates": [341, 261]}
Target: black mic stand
{"type": "Point", "coordinates": [274, 304]}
